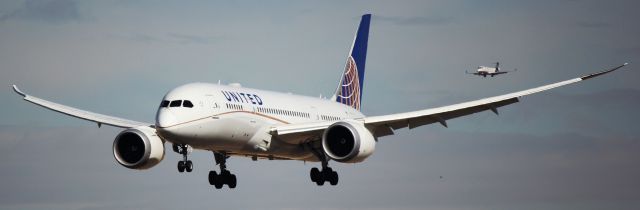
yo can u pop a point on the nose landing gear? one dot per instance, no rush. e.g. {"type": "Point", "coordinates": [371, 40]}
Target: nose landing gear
{"type": "Point", "coordinates": [185, 164]}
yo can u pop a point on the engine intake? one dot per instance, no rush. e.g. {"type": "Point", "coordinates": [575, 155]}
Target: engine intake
{"type": "Point", "coordinates": [138, 148]}
{"type": "Point", "coordinates": [348, 141]}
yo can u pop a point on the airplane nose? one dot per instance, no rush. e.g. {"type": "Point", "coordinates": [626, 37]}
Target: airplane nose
{"type": "Point", "coordinates": [165, 119]}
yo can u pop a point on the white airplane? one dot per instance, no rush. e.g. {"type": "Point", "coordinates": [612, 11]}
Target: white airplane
{"type": "Point", "coordinates": [491, 71]}
{"type": "Point", "coordinates": [230, 120]}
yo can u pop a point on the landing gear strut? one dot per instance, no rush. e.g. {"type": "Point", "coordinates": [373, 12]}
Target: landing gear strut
{"type": "Point", "coordinates": [185, 164]}
{"type": "Point", "coordinates": [225, 176]}
{"type": "Point", "coordinates": [325, 175]}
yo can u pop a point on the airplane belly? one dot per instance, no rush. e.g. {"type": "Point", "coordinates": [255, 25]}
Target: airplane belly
{"type": "Point", "coordinates": [281, 150]}
{"type": "Point", "coordinates": [211, 133]}
{"type": "Point", "coordinates": [239, 135]}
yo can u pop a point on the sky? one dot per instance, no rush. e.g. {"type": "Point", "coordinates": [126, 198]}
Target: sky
{"type": "Point", "coordinates": [575, 147]}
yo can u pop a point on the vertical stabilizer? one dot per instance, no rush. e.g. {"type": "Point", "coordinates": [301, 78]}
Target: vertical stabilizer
{"type": "Point", "coordinates": [349, 91]}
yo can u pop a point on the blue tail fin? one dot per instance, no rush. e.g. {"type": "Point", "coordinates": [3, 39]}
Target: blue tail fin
{"type": "Point", "coordinates": [349, 91]}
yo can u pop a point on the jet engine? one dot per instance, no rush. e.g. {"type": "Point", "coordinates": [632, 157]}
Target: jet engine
{"type": "Point", "coordinates": [348, 142]}
{"type": "Point", "coordinates": [138, 148]}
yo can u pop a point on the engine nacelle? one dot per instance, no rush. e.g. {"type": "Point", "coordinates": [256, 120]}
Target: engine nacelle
{"type": "Point", "coordinates": [138, 148]}
{"type": "Point", "coordinates": [348, 142]}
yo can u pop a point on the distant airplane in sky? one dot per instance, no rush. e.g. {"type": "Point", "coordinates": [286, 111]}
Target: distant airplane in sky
{"type": "Point", "coordinates": [231, 120]}
{"type": "Point", "coordinates": [491, 71]}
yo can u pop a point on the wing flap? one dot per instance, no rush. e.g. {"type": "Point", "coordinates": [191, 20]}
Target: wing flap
{"type": "Point", "coordinates": [82, 114]}
{"type": "Point", "coordinates": [300, 127]}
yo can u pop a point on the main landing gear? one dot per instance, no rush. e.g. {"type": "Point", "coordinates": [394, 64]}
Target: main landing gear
{"type": "Point", "coordinates": [225, 177]}
{"type": "Point", "coordinates": [185, 164]}
{"type": "Point", "coordinates": [325, 175]}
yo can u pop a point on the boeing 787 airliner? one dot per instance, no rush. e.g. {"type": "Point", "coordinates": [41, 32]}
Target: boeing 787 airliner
{"type": "Point", "coordinates": [230, 120]}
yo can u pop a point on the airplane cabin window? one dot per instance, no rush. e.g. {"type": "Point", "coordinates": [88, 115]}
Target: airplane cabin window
{"type": "Point", "coordinates": [187, 104]}
{"type": "Point", "coordinates": [175, 103]}
{"type": "Point", "coordinates": [164, 103]}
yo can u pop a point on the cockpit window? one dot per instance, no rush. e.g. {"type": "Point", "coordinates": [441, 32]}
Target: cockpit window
{"type": "Point", "coordinates": [187, 104]}
{"type": "Point", "coordinates": [175, 103]}
{"type": "Point", "coordinates": [164, 103]}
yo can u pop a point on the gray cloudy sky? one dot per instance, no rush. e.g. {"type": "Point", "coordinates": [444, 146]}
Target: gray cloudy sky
{"type": "Point", "coordinates": [571, 148]}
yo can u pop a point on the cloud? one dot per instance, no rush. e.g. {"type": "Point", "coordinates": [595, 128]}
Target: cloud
{"type": "Point", "coordinates": [50, 11]}
{"type": "Point", "coordinates": [435, 20]}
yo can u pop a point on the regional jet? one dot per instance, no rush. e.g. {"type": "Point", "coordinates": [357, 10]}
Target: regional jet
{"type": "Point", "coordinates": [235, 121]}
{"type": "Point", "coordinates": [491, 71]}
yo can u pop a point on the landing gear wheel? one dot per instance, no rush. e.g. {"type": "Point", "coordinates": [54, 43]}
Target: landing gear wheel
{"type": "Point", "coordinates": [189, 166]}
{"type": "Point", "coordinates": [333, 180]}
{"type": "Point", "coordinates": [212, 177]}
{"type": "Point", "coordinates": [326, 175]}
{"type": "Point", "coordinates": [232, 181]}
{"type": "Point", "coordinates": [185, 163]}
{"type": "Point", "coordinates": [314, 174]}
{"type": "Point", "coordinates": [181, 166]}
{"type": "Point", "coordinates": [175, 148]}
{"type": "Point", "coordinates": [218, 184]}
{"type": "Point", "coordinates": [225, 177]}
{"type": "Point", "coordinates": [215, 179]}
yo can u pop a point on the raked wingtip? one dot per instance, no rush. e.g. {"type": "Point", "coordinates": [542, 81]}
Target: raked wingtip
{"type": "Point", "coordinates": [15, 89]}
{"type": "Point", "coordinates": [602, 72]}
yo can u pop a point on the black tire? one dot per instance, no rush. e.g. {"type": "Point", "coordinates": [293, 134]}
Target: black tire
{"type": "Point", "coordinates": [175, 148]}
{"type": "Point", "coordinates": [326, 173]}
{"type": "Point", "coordinates": [180, 166]}
{"type": "Point", "coordinates": [217, 181]}
{"type": "Point", "coordinates": [314, 174]}
{"type": "Point", "coordinates": [232, 181]}
{"type": "Point", "coordinates": [333, 178]}
{"type": "Point", "coordinates": [212, 177]}
{"type": "Point", "coordinates": [224, 177]}
{"type": "Point", "coordinates": [189, 166]}
{"type": "Point", "coordinates": [218, 185]}
{"type": "Point", "coordinates": [320, 182]}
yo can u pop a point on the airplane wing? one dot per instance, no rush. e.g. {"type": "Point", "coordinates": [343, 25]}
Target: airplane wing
{"type": "Point", "coordinates": [385, 124]}
{"type": "Point", "coordinates": [504, 72]}
{"type": "Point", "coordinates": [474, 73]}
{"type": "Point", "coordinates": [82, 114]}
{"type": "Point", "coordinates": [500, 72]}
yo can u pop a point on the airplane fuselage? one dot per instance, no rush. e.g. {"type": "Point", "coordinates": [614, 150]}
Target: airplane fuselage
{"type": "Point", "coordinates": [238, 120]}
{"type": "Point", "coordinates": [487, 70]}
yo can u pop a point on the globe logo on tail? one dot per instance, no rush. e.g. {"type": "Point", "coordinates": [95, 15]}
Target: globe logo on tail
{"type": "Point", "coordinates": [349, 91]}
